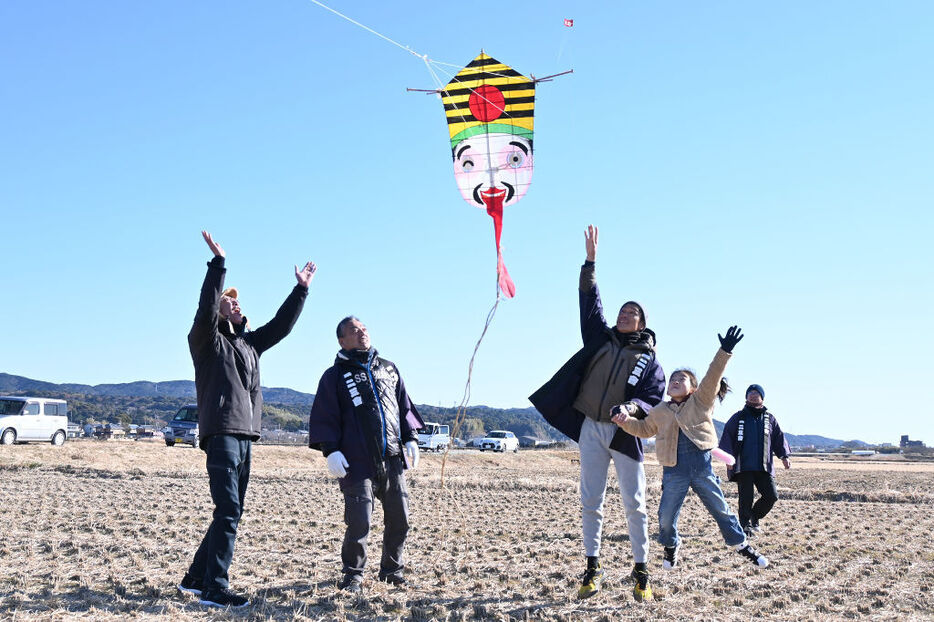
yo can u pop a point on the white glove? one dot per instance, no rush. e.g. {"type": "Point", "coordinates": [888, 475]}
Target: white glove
{"type": "Point", "coordinates": [411, 448]}
{"type": "Point", "coordinates": [337, 464]}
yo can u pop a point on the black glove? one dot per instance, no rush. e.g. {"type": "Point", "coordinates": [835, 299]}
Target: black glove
{"type": "Point", "coordinates": [733, 336]}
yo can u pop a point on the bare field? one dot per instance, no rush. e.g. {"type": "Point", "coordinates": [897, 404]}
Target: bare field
{"type": "Point", "coordinates": [104, 531]}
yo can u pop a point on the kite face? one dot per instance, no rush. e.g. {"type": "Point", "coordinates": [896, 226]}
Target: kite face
{"type": "Point", "coordinates": [489, 108]}
{"type": "Point", "coordinates": [490, 165]}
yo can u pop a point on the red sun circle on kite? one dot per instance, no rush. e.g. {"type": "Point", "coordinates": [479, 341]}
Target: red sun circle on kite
{"type": "Point", "coordinates": [487, 103]}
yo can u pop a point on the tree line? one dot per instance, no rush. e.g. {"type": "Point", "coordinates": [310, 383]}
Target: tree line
{"type": "Point", "coordinates": [84, 408]}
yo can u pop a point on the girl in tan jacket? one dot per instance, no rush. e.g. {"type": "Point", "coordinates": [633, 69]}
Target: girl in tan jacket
{"type": "Point", "coordinates": [685, 434]}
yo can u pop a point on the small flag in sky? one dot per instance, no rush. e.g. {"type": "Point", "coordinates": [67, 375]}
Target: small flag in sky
{"type": "Point", "coordinates": [569, 22]}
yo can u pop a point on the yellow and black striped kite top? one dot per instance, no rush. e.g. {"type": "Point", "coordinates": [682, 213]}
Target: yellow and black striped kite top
{"type": "Point", "coordinates": [487, 96]}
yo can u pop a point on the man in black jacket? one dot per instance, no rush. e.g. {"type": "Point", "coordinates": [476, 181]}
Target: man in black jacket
{"type": "Point", "coordinates": [753, 437]}
{"type": "Point", "coordinates": [365, 424]}
{"type": "Point", "coordinates": [230, 404]}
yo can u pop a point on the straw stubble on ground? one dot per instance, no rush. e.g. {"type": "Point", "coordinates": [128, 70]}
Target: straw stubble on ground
{"type": "Point", "coordinates": [104, 531]}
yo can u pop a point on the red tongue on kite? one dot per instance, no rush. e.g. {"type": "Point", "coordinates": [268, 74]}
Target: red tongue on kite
{"type": "Point", "coordinates": [494, 207]}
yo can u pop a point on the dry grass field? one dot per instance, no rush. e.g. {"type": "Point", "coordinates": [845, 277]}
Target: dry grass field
{"type": "Point", "coordinates": [104, 530]}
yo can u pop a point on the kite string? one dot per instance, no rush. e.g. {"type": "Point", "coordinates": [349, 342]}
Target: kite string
{"type": "Point", "coordinates": [462, 408]}
{"type": "Point", "coordinates": [458, 422]}
{"type": "Point", "coordinates": [428, 61]}
{"type": "Point", "coordinates": [368, 29]}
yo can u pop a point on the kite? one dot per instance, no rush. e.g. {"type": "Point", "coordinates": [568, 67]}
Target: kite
{"type": "Point", "coordinates": [490, 109]}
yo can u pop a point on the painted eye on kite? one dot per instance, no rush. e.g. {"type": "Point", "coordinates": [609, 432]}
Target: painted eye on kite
{"type": "Point", "coordinates": [515, 159]}
{"type": "Point", "coordinates": [467, 166]}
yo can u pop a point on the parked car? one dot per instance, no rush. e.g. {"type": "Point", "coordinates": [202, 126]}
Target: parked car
{"type": "Point", "coordinates": [434, 437]}
{"type": "Point", "coordinates": [33, 419]}
{"type": "Point", "coordinates": [73, 431]}
{"type": "Point", "coordinates": [145, 431]}
{"type": "Point", "coordinates": [500, 440]}
{"type": "Point", "coordinates": [107, 431]}
{"type": "Point", "coordinates": [183, 428]}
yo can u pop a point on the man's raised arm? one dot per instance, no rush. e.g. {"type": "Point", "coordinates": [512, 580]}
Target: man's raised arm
{"type": "Point", "coordinates": [591, 308]}
{"type": "Point", "coordinates": [276, 329]}
{"type": "Point", "coordinates": [204, 329]}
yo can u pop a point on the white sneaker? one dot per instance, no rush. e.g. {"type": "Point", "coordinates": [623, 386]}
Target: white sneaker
{"type": "Point", "coordinates": [752, 555]}
{"type": "Point", "coordinates": [670, 562]}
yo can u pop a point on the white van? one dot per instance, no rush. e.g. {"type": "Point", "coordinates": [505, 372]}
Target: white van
{"type": "Point", "coordinates": [33, 419]}
{"type": "Point", "coordinates": [434, 437]}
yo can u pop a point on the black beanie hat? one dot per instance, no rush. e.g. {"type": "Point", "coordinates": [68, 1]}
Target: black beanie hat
{"type": "Point", "coordinates": [758, 388]}
{"type": "Point", "coordinates": [645, 322]}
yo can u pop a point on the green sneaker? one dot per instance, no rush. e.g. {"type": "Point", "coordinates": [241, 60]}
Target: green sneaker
{"type": "Point", "coordinates": [590, 584]}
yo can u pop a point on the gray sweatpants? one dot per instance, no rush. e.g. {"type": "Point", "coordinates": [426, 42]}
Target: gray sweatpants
{"type": "Point", "coordinates": [358, 509]}
{"type": "Point", "coordinates": [595, 451]}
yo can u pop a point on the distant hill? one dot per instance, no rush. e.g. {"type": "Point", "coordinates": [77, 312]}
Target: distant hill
{"type": "Point", "coordinates": [172, 388]}
{"type": "Point", "coordinates": [802, 440]}
{"type": "Point", "coordinates": [182, 389]}
{"type": "Point", "coordinates": [151, 402]}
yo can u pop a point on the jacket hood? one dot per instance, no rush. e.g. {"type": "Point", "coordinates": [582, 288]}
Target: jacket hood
{"type": "Point", "coordinates": [356, 356]}
{"type": "Point", "coordinates": [229, 329]}
{"type": "Point", "coordinates": [644, 337]}
{"type": "Point", "coordinates": [754, 410]}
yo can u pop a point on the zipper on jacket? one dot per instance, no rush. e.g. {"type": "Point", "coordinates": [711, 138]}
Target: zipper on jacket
{"type": "Point", "coordinates": [609, 379]}
{"type": "Point", "coordinates": [766, 440]}
{"type": "Point", "coordinates": [252, 369]}
{"type": "Point", "coordinates": [379, 404]}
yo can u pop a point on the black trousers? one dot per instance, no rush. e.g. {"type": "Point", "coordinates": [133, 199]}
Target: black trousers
{"type": "Point", "coordinates": [228, 463]}
{"type": "Point", "coordinates": [748, 482]}
{"type": "Point", "coordinates": [358, 510]}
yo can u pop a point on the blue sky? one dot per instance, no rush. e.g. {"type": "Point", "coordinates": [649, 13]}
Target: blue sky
{"type": "Point", "coordinates": [752, 164]}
